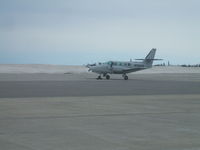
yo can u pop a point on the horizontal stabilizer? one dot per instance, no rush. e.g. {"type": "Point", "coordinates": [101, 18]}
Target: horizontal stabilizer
{"type": "Point", "coordinates": [148, 59]}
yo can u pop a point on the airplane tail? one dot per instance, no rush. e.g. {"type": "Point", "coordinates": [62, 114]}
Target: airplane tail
{"type": "Point", "coordinates": [150, 57]}
{"type": "Point", "coordinates": [148, 61]}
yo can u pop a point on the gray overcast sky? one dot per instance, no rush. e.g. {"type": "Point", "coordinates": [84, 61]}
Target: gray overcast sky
{"type": "Point", "coordinates": [85, 31]}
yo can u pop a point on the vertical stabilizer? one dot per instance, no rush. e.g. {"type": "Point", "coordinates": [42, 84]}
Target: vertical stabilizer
{"type": "Point", "coordinates": [150, 58]}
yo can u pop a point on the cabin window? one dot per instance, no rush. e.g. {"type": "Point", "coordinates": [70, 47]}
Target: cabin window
{"type": "Point", "coordinates": [115, 64]}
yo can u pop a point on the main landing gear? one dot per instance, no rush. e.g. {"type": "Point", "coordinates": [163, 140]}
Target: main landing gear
{"type": "Point", "coordinates": [104, 75]}
{"type": "Point", "coordinates": [125, 77]}
{"type": "Point", "coordinates": [99, 77]}
{"type": "Point", "coordinates": [107, 77]}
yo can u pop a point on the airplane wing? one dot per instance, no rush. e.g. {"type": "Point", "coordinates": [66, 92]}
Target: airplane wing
{"type": "Point", "coordinates": [128, 70]}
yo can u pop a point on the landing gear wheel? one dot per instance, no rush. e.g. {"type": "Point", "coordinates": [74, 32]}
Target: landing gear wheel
{"type": "Point", "coordinates": [99, 78]}
{"type": "Point", "coordinates": [125, 77]}
{"type": "Point", "coordinates": [107, 77]}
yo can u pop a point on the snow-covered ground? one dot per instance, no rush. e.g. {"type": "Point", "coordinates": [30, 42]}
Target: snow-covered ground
{"type": "Point", "coordinates": [60, 69]}
{"type": "Point", "coordinates": [41, 68]}
{"type": "Point", "coordinates": [170, 69]}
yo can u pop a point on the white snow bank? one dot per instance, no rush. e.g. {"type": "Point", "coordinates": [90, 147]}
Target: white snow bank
{"type": "Point", "coordinates": [40, 68]}
{"type": "Point", "coordinates": [60, 69]}
{"type": "Point", "coordinates": [169, 69]}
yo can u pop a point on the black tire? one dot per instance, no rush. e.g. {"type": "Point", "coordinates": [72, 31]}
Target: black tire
{"type": "Point", "coordinates": [99, 78]}
{"type": "Point", "coordinates": [125, 77]}
{"type": "Point", "coordinates": [107, 77]}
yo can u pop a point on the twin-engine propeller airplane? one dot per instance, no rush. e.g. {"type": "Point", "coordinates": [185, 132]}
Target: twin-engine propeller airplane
{"type": "Point", "coordinates": [122, 67]}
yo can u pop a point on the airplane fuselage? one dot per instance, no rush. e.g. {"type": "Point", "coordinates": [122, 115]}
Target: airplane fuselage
{"type": "Point", "coordinates": [122, 67]}
{"type": "Point", "coordinates": [117, 67]}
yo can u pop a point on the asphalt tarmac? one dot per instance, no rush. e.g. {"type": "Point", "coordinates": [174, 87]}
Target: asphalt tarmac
{"type": "Point", "coordinates": [78, 112]}
{"type": "Point", "coordinates": [93, 87]}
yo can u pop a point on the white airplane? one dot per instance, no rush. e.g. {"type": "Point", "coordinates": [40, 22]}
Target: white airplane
{"type": "Point", "coordinates": [122, 67]}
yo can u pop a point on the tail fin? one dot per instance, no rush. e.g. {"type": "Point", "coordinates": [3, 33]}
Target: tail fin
{"type": "Point", "coordinates": [148, 61]}
{"type": "Point", "coordinates": [150, 57]}
{"type": "Point", "coordinates": [151, 54]}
